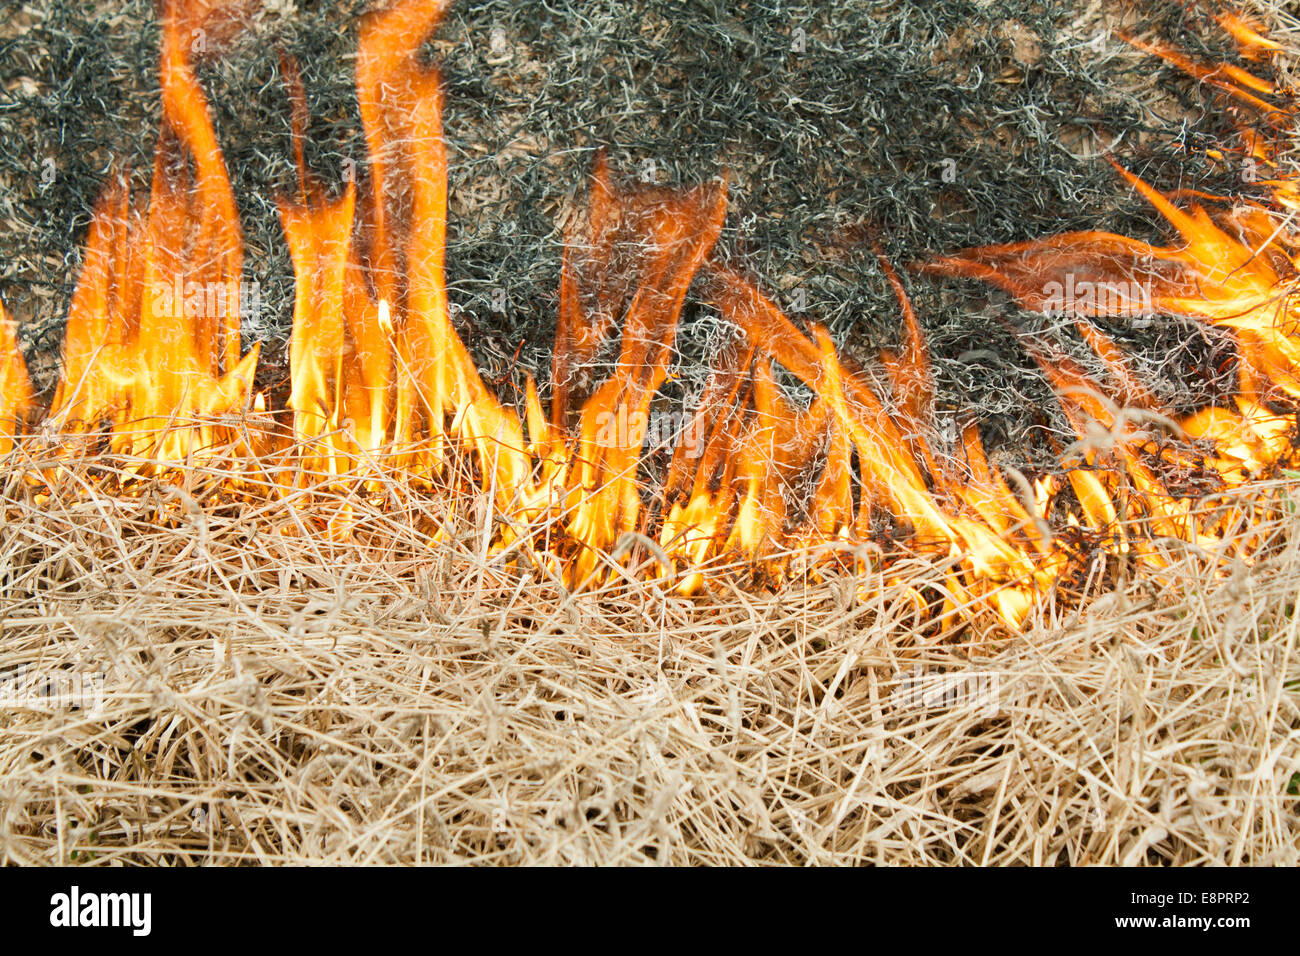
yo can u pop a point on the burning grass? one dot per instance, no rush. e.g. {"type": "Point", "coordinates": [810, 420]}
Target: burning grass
{"type": "Point", "coordinates": [381, 376]}
{"type": "Point", "coordinates": [404, 615]}
{"type": "Point", "coordinates": [270, 695]}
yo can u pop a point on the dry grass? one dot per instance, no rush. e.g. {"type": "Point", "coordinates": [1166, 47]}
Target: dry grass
{"type": "Point", "coordinates": [272, 696]}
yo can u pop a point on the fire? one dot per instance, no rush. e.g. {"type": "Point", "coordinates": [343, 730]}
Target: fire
{"type": "Point", "coordinates": [152, 335]}
{"type": "Point", "coordinates": [1234, 268]}
{"type": "Point", "coordinates": [384, 389]}
{"type": "Point", "coordinates": [15, 386]}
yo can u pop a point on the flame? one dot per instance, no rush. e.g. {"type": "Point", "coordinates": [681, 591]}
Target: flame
{"type": "Point", "coordinates": [382, 388]}
{"type": "Point", "coordinates": [1250, 40]}
{"type": "Point", "coordinates": [1234, 269]}
{"type": "Point", "coordinates": [152, 337]}
{"type": "Point", "coordinates": [15, 386]}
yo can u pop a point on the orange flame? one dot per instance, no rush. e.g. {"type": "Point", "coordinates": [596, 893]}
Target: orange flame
{"type": "Point", "coordinates": [152, 336]}
{"type": "Point", "coordinates": [1234, 269]}
{"type": "Point", "coordinates": [15, 386]}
